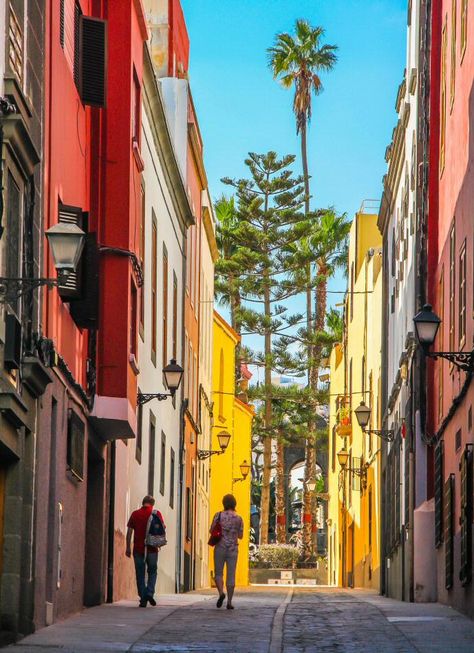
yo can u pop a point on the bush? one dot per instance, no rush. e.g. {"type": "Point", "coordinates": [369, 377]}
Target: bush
{"type": "Point", "coordinates": [277, 556]}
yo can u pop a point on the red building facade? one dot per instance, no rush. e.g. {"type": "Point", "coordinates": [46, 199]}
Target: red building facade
{"type": "Point", "coordinates": [92, 167]}
{"type": "Point", "coordinates": [450, 290]}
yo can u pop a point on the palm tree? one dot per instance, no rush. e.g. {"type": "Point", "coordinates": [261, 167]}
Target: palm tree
{"type": "Point", "coordinates": [297, 61]}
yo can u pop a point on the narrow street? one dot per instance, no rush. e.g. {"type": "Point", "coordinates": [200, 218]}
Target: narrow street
{"type": "Point", "coordinates": [264, 621]}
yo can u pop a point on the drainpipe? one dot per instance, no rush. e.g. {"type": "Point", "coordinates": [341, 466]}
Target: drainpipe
{"type": "Point", "coordinates": [179, 538]}
{"type": "Point", "coordinates": [110, 547]}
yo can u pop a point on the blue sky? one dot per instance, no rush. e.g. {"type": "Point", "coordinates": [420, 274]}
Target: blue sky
{"type": "Point", "coordinates": [241, 108]}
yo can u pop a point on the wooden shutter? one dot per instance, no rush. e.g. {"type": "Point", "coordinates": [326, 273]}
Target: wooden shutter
{"type": "Point", "coordinates": [12, 346]}
{"type": "Point", "coordinates": [71, 288]}
{"type": "Point", "coordinates": [449, 531]}
{"type": "Point", "coordinates": [85, 308]}
{"type": "Point", "coordinates": [438, 493]}
{"type": "Point", "coordinates": [93, 60]}
{"type": "Point", "coordinates": [356, 465]}
{"type": "Point", "coordinates": [465, 466]}
{"type": "Point", "coordinates": [61, 23]}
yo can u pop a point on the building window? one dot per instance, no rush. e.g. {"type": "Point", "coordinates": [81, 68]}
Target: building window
{"type": "Point", "coordinates": [452, 289]}
{"type": "Point", "coordinates": [350, 385]}
{"type": "Point", "coordinates": [441, 345]}
{"type": "Point", "coordinates": [371, 405]}
{"type": "Point", "coordinates": [163, 463]}
{"type": "Point", "coordinates": [13, 233]}
{"type": "Point", "coordinates": [136, 110]}
{"type": "Point", "coordinates": [133, 319]}
{"type": "Point", "coordinates": [448, 514]}
{"type": "Point", "coordinates": [154, 281]}
{"type": "Point", "coordinates": [165, 306]}
{"type": "Point", "coordinates": [465, 573]}
{"type": "Point", "coordinates": [458, 439]}
{"type": "Point", "coordinates": [462, 295]}
{"type": "Point", "coordinates": [16, 46]}
{"type": "Point", "coordinates": [352, 291]}
{"type": "Point", "coordinates": [139, 440]}
{"type": "Point", "coordinates": [221, 384]}
{"type": "Point", "coordinates": [175, 318]}
{"type": "Point", "coordinates": [438, 492]}
{"type": "Point", "coordinates": [453, 51]}
{"type": "Point", "coordinates": [189, 513]}
{"type": "Point", "coordinates": [142, 261]}
{"type": "Point", "coordinates": [75, 445]}
{"type": "Point", "coordinates": [464, 6]}
{"type": "Point", "coordinates": [172, 468]}
{"type": "Point", "coordinates": [444, 54]}
{"type": "Point", "coordinates": [151, 455]}
{"type": "Point", "coordinates": [369, 500]}
{"type": "Point", "coordinates": [333, 448]}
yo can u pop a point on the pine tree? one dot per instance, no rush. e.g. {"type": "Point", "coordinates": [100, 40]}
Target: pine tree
{"type": "Point", "coordinates": [268, 219]}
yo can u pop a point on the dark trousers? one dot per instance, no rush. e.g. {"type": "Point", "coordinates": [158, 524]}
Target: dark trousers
{"type": "Point", "coordinates": [151, 563]}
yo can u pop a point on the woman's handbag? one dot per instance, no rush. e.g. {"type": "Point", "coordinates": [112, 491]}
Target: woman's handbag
{"type": "Point", "coordinates": [216, 532]}
{"type": "Point", "coordinates": [155, 531]}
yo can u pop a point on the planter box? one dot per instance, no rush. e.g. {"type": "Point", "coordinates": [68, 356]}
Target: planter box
{"type": "Point", "coordinates": [314, 576]}
{"type": "Point", "coordinates": [344, 430]}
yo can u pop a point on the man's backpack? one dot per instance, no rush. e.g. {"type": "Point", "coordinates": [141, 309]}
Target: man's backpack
{"type": "Point", "coordinates": [155, 531]}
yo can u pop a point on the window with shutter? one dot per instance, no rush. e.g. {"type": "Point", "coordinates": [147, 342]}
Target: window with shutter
{"type": "Point", "coordinates": [61, 23]}
{"type": "Point", "coordinates": [92, 58]}
{"type": "Point", "coordinates": [71, 288]}
{"type": "Point", "coordinates": [438, 493]}
{"type": "Point", "coordinates": [356, 465]}
{"type": "Point", "coordinates": [75, 445]}
{"type": "Point", "coordinates": [449, 531]}
{"type": "Point", "coordinates": [465, 573]}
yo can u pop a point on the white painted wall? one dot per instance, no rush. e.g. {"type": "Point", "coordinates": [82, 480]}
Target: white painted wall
{"type": "Point", "coordinates": [150, 379]}
{"type": "Point", "coordinates": [175, 99]}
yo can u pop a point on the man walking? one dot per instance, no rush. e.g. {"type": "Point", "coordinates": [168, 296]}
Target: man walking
{"type": "Point", "coordinates": [137, 524]}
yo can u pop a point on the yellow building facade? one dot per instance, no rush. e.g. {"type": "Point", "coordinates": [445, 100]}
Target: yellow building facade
{"type": "Point", "coordinates": [355, 372]}
{"type": "Point", "coordinates": [232, 415]}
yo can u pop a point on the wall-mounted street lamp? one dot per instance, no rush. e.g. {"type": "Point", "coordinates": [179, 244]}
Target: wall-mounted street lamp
{"type": "Point", "coordinates": [343, 457]}
{"type": "Point", "coordinates": [173, 373]}
{"type": "Point", "coordinates": [223, 438]}
{"type": "Point", "coordinates": [66, 242]}
{"type": "Point", "coordinates": [426, 328]}
{"type": "Point", "coordinates": [362, 413]}
{"type": "Point", "coordinates": [244, 470]}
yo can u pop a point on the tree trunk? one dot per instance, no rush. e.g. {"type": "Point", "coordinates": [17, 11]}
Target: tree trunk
{"type": "Point", "coordinates": [267, 441]}
{"type": "Point", "coordinates": [309, 447]}
{"type": "Point", "coordinates": [280, 493]}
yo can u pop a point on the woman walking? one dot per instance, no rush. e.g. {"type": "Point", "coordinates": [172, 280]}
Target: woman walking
{"type": "Point", "coordinates": [231, 527]}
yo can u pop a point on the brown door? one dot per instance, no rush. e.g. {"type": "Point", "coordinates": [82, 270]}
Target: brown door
{"type": "Point", "coordinates": [350, 556]}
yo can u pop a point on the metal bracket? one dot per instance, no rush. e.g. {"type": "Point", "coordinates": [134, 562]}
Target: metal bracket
{"type": "Point", "coordinates": [136, 265]}
{"type": "Point", "coordinates": [388, 436]}
{"type": "Point", "coordinates": [144, 398]}
{"type": "Point", "coordinates": [12, 288]}
{"type": "Point", "coordinates": [463, 360]}
{"type": "Point", "coordinates": [205, 453]}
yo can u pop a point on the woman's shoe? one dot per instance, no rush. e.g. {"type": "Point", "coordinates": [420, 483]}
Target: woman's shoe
{"type": "Point", "coordinates": [220, 600]}
{"type": "Point", "coordinates": [229, 606]}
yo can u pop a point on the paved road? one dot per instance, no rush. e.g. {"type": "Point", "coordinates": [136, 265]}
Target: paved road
{"type": "Point", "coordinates": [276, 620]}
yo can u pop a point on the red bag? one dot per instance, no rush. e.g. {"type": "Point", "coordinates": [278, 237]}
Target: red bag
{"type": "Point", "coordinates": [216, 532]}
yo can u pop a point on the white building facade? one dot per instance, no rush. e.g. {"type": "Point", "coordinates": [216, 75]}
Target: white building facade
{"type": "Point", "coordinates": [406, 515]}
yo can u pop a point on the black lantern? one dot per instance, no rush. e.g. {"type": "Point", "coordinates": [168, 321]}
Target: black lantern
{"type": "Point", "coordinates": [426, 325]}
{"type": "Point", "coordinates": [362, 412]}
{"type": "Point", "coordinates": [173, 374]}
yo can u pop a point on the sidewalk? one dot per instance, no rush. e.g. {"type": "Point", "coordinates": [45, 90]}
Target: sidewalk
{"type": "Point", "coordinates": [266, 620]}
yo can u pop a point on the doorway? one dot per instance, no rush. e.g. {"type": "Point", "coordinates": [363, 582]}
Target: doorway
{"type": "Point", "coordinates": [94, 593]}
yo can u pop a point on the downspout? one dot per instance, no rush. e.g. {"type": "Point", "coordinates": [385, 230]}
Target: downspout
{"type": "Point", "coordinates": [182, 413]}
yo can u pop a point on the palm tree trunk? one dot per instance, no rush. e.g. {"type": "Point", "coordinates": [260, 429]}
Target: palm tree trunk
{"type": "Point", "coordinates": [309, 447]}
{"type": "Point", "coordinates": [280, 493]}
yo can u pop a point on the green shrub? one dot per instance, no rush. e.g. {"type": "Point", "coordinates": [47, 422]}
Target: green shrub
{"type": "Point", "coordinates": [277, 556]}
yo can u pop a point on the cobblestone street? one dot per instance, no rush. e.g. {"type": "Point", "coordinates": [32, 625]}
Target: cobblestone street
{"type": "Point", "coordinates": [264, 621]}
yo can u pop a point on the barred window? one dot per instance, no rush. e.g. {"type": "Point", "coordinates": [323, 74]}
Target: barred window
{"type": "Point", "coordinates": [465, 573]}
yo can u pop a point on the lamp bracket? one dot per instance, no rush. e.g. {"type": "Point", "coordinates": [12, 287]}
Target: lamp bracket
{"type": "Point", "coordinates": [144, 398]}
{"type": "Point", "coordinates": [238, 480]}
{"type": "Point", "coordinates": [205, 453]}
{"type": "Point", "coordinates": [388, 436]}
{"type": "Point", "coordinates": [464, 360]}
{"type": "Point", "coordinates": [11, 288]}
{"type": "Point", "coordinates": [137, 268]}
